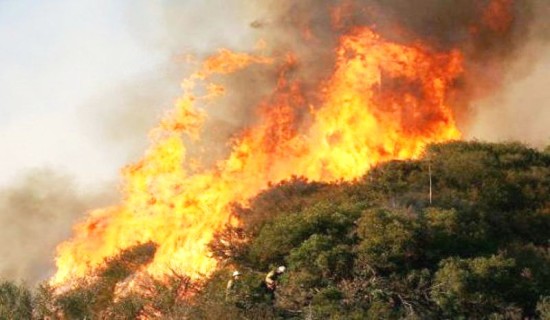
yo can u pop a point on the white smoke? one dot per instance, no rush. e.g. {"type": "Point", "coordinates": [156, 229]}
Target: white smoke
{"type": "Point", "coordinates": [520, 111]}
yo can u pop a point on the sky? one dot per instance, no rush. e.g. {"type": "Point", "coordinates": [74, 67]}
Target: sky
{"type": "Point", "coordinates": [72, 70]}
{"type": "Point", "coordinates": [55, 56]}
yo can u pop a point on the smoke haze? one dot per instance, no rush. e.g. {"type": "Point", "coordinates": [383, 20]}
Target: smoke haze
{"type": "Point", "coordinates": [310, 29]}
{"type": "Point", "coordinates": [502, 95]}
{"type": "Point", "coordinates": [36, 213]}
{"type": "Point", "coordinates": [520, 111]}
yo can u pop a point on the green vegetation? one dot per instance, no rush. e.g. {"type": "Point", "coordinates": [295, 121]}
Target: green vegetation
{"type": "Point", "coordinates": [376, 248]}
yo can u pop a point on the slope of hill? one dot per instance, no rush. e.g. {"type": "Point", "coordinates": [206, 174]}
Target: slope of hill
{"type": "Point", "coordinates": [461, 233]}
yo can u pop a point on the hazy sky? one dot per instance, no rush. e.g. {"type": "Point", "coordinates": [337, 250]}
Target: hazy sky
{"type": "Point", "coordinates": [55, 56]}
{"type": "Point", "coordinates": [67, 67]}
{"type": "Point", "coordinates": [521, 109]}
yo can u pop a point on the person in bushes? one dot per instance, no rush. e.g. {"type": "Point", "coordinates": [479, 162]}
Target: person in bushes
{"type": "Point", "coordinates": [232, 286]}
{"type": "Point", "coordinates": [271, 281]}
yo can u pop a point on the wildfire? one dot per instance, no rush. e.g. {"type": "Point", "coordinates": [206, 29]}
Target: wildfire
{"type": "Point", "coordinates": [383, 101]}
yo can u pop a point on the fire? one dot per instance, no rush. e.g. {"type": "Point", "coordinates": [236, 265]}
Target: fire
{"type": "Point", "coordinates": [383, 101]}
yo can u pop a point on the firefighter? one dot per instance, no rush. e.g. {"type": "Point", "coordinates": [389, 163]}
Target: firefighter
{"type": "Point", "coordinates": [270, 282]}
{"type": "Point", "coordinates": [232, 286]}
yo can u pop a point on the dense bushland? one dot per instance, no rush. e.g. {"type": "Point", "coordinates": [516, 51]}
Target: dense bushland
{"type": "Point", "coordinates": [471, 244]}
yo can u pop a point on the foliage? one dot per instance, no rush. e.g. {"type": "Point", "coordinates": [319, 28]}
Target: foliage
{"type": "Point", "coordinates": [382, 248]}
{"type": "Point", "coordinates": [15, 301]}
{"type": "Point", "coordinates": [475, 246]}
{"type": "Point", "coordinates": [543, 308]}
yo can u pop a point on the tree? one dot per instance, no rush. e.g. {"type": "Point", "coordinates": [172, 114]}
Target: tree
{"type": "Point", "coordinates": [15, 301]}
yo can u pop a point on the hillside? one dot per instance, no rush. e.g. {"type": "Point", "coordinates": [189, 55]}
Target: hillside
{"type": "Point", "coordinates": [462, 232]}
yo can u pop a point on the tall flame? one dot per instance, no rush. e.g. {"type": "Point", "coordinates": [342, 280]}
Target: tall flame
{"type": "Point", "coordinates": [382, 101]}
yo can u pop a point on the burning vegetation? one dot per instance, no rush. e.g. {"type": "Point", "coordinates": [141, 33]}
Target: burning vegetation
{"type": "Point", "coordinates": [350, 91]}
{"type": "Point", "coordinates": [383, 101]}
{"type": "Point", "coordinates": [335, 89]}
{"type": "Point", "coordinates": [379, 247]}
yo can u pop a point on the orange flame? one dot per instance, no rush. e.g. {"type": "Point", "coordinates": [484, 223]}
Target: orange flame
{"type": "Point", "coordinates": [383, 101]}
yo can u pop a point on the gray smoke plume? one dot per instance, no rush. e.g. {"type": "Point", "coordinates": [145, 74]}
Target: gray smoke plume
{"type": "Point", "coordinates": [520, 109]}
{"type": "Point", "coordinates": [120, 118]}
{"type": "Point", "coordinates": [310, 29]}
{"type": "Point", "coordinates": [36, 213]}
{"type": "Point", "coordinates": [500, 53]}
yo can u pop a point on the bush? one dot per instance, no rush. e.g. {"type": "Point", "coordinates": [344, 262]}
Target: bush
{"type": "Point", "coordinates": [15, 301]}
{"type": "Point", "coordinates": [375, 248]}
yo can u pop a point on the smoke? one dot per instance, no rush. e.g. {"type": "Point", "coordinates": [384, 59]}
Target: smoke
{"type": "Point", "coordinates": [36, 213]}
{"type": "Point", "coordinates": [502, 93]}
{"type": "Point", "coordinates": [519, 110]}
{"type": "Point", "coordinates": [492, 34]}
{"type": "Point", "coordinates": [121, 117]}
{"type": "Point", "coordinates": [483, 29]}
